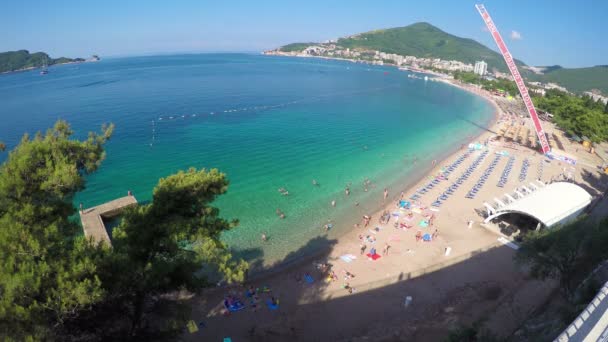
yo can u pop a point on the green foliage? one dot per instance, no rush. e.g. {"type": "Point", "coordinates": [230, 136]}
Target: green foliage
{"type": "Point", "coordinates": [471, 333]}
{"type": "Point", "coordinates": [295, 47]}
{"type": "Point", "coordinates": [171, 243]}
{"type": "Point", "coordinates": [575, 115]}
{"type": "Point", "coordinates": [22, 59]}
{"type": "Point", "coordinates": [425, 40]}
{"type": "Point", "coordinates": [46, 273]}
{"type": "Point", "coordinates": [579, 79]}
{"type": "Point", "coordinates": [492, 85]}
{"type": "Point", "coordinates": [567, 253]}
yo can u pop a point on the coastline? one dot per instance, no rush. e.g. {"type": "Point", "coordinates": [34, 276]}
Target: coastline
{"type": "Point", "coordinates": [40, 67]}
{"type": "Point", "coordinates": [408, 188]}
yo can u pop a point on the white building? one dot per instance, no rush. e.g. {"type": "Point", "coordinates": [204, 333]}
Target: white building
{"type": "Point", "coordinates": [481, 68]}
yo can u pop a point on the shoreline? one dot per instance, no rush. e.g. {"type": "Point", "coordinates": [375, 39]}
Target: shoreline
{"type": "Point", "coordinates": [408, 188]}
{"type": "Point", "coordinates": [40, 67]}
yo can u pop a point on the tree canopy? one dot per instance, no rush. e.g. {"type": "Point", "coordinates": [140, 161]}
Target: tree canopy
{"type": "Point", "coordinates": [46, 272]}
{"type": "Point", "coordinates": [56, 284]}
{"type": "Point", "coordinates": [575, 115]}
{"type": "Point", "coordinates": [171, 243]}
{"type": "Point", "coordinates": [567, 253]}
{"type": "Point", "coordinates": [492, 85]}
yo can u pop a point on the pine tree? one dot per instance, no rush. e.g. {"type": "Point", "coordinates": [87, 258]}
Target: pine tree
{"type": "Point", "coordinates": [171, 243]}
{"type": "Point", "coordinates": [47, 274]}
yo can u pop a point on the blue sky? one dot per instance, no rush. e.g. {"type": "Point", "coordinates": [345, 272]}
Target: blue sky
{"type": "Point", "coordinates": [551, 32]}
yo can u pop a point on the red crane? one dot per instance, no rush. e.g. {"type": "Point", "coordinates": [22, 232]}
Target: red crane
{"type": "Point", "coordinates": [518, 80]}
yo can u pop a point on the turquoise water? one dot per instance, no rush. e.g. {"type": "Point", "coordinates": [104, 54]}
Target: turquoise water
{"type": "Point", "coordinates": [276, 122]}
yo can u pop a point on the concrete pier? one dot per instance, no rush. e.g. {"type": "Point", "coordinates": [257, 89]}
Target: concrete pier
{"type": "Point", "coordinates": [92, 218]}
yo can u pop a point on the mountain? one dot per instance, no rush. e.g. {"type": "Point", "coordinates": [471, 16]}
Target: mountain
{"type": "Point", "coordinates": [576, 79]}
{"type": "Point", "coordinates": [420, 40]}
{"type": "Point", "coordinates": [22, 59]}
{"type": "Point", "coordinates": [425, 40]}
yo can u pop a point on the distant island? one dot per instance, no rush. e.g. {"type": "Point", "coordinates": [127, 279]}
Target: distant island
{"type": "Point", "coordinates": [24, 60]}
{"type": "Point", "coordinates": [426, 47]}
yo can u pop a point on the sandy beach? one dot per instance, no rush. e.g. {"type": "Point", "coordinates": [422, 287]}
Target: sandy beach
{"type": "Point", "coordinates": [415, 290]}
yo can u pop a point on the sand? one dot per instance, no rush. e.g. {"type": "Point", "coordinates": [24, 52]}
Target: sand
{"type": "Point", "coordinates": [476, 277]}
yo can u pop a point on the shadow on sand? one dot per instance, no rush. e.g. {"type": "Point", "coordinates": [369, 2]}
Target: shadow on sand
{"type": "Point", "coordinates": [461, 289]}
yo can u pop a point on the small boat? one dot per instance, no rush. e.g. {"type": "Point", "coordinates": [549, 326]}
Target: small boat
{"type": "Point", "coordinates": [45, 69]}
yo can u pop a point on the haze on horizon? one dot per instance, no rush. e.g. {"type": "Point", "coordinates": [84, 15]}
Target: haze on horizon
{"type": "Point", "coordinates": [539, 33]}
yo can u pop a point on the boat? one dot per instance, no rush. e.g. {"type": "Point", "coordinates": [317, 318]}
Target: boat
{"type": "Point", "coordinates": [45, 69]}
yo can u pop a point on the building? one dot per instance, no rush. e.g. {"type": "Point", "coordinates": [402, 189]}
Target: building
{"type": "Point", "coordinates": [548, 205]}
{"type": "Point", "coordinates": [481, 68]}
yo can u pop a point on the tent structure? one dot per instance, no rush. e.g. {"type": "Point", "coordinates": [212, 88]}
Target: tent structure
{"type": "Point", "coordinates": [550, 205]}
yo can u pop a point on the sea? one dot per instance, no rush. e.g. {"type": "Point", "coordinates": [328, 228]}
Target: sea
{"type": "Point", "coordinates": [269, 123]}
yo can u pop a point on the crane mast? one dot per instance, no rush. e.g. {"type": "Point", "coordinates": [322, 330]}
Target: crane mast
{"type": "Point", "coordinates": [523, 90]}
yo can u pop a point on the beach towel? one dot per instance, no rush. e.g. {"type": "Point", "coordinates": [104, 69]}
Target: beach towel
{"type": "Point", "coordinates": [235, 306]}
{"type": "Point", "coordinates": [416, 210]}
{"type": "Point", "coordinates": [309, 279]}
{"type": "Point", "coordinates": [434, 209]}
{"type": "Point", "coordinates": [427, 237]}
{"type": "Point", "coordinates": [353, 257]}
{"type": "Point", "coordinates": [346, 258]}
{"type": "Point", "coordinates": [373, 257]}
{"type": "Point", "coordinates": [396, 214]}
{"type": "Point", "coordinates": [192, 328]}
{"type": "Point", "coordinates": [408, 218]}
{"type": "Point", "coordinates": [270, 305]}
{"type": "Point", "coordinates": [423, 224]}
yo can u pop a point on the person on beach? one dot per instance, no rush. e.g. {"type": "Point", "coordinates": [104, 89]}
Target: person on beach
{"type": "Point", "coordinates": [402, 195]}
{"type": "Point", "coordinates": [366, 220]}
{"type": "Point", "coordinates": [363, 248]}
{"type": "Point", "coordinates": [264, 237]}
{"type": "Point", "coordinates": [385, 194]}
{"type": "Point", "coordinates": [333, 203]}
{"type": "Point", "coordinates": [435, 234]}
{"type": "Point", "coordinates": [418, 236]}
{"type": "Point", "coordinates": [385, 249]}
{"type": "Point", "coordinates": [347, 191]}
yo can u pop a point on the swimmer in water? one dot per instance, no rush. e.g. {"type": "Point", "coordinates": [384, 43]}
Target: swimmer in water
{"type": "Point", "coordinates": [314, 182]}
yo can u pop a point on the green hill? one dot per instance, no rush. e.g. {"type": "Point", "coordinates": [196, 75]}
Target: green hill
{"type": "Point", "coordinates": [22, 59]}
{"type": "Point", "coordinates": [425, 40]}
{"type": "Point", "coordinates": [420, 40]}
{"type": "Point", "coordinates": [578, 79]}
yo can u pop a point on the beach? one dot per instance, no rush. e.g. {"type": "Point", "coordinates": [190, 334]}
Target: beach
{"type": "Point", "coordinates": [463, 273]}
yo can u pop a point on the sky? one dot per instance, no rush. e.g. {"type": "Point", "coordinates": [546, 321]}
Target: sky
{"type": "Point", "coordinates": [540, 32]}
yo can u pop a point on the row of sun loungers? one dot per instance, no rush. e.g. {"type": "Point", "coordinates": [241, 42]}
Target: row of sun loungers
{"type": "Point", "coordinates": [449, 191]}
{"type": "Point", "coordinates": [505, 173]}
{"type": "Point", "coordinates": [483, 178]}
{"type": "Point", "coordinates": [524, 170]}
{"type": "Point", "coordinates": [447, 171]}
{"type": "Point", "coordinates": [540, 170]}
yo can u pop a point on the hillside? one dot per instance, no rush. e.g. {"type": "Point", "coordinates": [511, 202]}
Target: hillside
{"type": "Point", "coordinates": [578, 79]}
{"type": "Point", "coordinates": [425, 40]}
{"type": "Point", "coordinates": [420, 40]}
{"type": "Point", "coordinates": [22, 59]}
